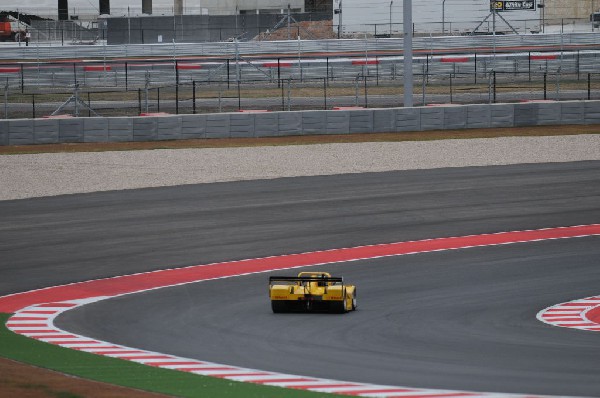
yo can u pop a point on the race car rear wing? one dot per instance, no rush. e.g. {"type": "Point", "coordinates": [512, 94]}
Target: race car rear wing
{"type": "Point", "coordinates": [305, 279]}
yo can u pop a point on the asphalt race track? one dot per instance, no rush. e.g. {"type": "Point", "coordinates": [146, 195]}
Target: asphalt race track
{"type": "Point", "coordinates": [454, 320]}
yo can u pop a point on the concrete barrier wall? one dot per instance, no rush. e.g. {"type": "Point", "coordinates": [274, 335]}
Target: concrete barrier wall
{"type": "Point", "coordinates": [273, 124]}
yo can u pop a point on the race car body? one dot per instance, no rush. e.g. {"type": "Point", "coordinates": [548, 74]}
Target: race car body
{"type": "Point", "coordinates": [311, 291]}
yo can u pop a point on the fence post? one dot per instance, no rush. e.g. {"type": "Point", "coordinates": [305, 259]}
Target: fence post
{"type": "Point", "coordinates": [194, 97]}
{"type": "Point", "coordinates": [158, 99]}
{"type": "Point", "coordinates": [289, 94]}
{"type": "Point", "coordinates": [74, 73]}
{"type": "Point", "coordinates": [278, 71]}
{"type": "Point", "coordinates": [282, 97]}
{"type": "Point", "coordinates": [424, 84]}
{"type": "Point", "coordinates": [475, 67]}
{"type": "Point", "coordinates": [33, 105]}
{"type": "Point", "coordinates": [325, 93]}
{"type": "Point", "coordinates": [589, 86]}
{"type": "Point", "coordinates": [6, 99]}
{"type": "Point", "coordinates": [578, 71]}
{"type": "Point", "coordinates": [545, 85]}
{"type": "Point", "coordinates": [366, 92]}
{"type": "Point", "coordinates": [377, 69]}
{"type": "Point", "coordinates": [228, 73]}
{"type": "Point", "coordinates": [177, 99]}
{"type": "Point", "coordinates": [450, 87]}
{"type": "Point", "coordinates": [89, 104]}
{"type": "Point", "coordinates": [22, 79]}
{"type": "Point", "coordinates": [529, 57]}
{"type": "Point", "coordinates": [494, 87]}
{"type": "Point", "coordinates": [239, 90]}
{"type": "Point", "coordinates": [139, 101]}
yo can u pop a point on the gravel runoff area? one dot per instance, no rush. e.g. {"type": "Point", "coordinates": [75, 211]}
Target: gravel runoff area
{"type": "Point", "coordinates": [49, 174]}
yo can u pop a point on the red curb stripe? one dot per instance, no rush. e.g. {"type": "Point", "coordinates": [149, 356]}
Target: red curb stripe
{"type": "Point", "coordinates": [95, 68]}
{"type": "Point", "coordinates": [189, 66]}
{"type": "Point", "coordinates": [145, 281]}
{"type": "Point", "coordinates": [367, 62]}
{"type": "Point", "coordinates": [542, 57]}
{"type": "Point", "coordinates": [454, 59]}
{"type": "Point", "coordinates": [594, 315]}
{"type": "Point", "coordinates": [275, 65]}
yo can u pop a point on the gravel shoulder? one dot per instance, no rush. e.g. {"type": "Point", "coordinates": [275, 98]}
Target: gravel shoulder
{"type": "Point", "coordinates": [49, 174]}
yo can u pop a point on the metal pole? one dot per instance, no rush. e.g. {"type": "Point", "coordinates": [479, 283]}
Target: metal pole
{"type": "Point", "coordinates": [443, 16]}
{"type": "Point", "coordinates": [194, 97]}
{"type": "Point", "coordinates": [494, 87]}
{"type": "Point", "coordinates": [408, 53]}
{"type": "Point", "coordinates": [391, 3]}
{"type": "Point", "coordinates": [289, 23]}
{"type": "Point", "coordinates": [325, 92]}
{"type": "Point", "coordinates": [6, 99]}
{"type": "Point", "coordinates": [340, 28]}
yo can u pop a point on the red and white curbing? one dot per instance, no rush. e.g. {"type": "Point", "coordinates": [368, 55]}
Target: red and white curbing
{"type": "Point", "coordinates": [583, 314]}
{"type": "Point", "coordinates": [37, 322]}
{"type": "Point", "coordinates": [35, 311]}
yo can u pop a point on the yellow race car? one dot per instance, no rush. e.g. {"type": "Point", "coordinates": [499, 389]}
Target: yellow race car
{"type": "Point", "coordinates": [311, 291]}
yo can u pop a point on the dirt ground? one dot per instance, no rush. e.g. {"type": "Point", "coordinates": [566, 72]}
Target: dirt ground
{"type": "Point", "coordinates": [24, 381]}
{"type": "Point", "coordinates": [305, 140]}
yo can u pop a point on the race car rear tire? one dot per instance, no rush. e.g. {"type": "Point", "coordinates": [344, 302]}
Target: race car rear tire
{"type": "Point", "coordinates": [354, 304]}
{"type": "Point", "coordinates": [279, 306]}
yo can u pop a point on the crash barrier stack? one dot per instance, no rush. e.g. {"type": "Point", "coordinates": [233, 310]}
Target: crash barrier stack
{"type": "Point", "coordinates": [272, 124]}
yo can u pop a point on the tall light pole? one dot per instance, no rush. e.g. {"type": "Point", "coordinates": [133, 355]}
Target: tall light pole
{"type": "Point", "coordinates": [339, 12]}
{"type": "Point", "coordinates": [408, 53]}
{"type": "Point", "coordinates": [391, 3]}
{"type": "Point", "coordinates": [443, 16]}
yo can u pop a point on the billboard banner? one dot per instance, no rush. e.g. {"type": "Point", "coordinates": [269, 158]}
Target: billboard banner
{"type": "Point", "coordinates": [506, 5]}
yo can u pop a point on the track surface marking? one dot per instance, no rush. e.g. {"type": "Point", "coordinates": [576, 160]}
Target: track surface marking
{"type": "Point", "coordinates": [36, 310]}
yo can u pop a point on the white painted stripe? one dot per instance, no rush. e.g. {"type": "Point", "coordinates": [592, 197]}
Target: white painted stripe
{"type": "Point", "coordinates": [255, 377]}
{"type": "Point", "coordinates": [258, 375]}
{"type": "Point", "coordinates": [223, 372]}
{"type": "Point", "coordinates": [54, 339]}
{"type": "Point", "coordinates": [157, 360]}
{"type": "Point", "coordinates": [85, 345]}
{"type": "Point", "coordinates": [349, 389]}
{"type": "Point", "coordinates": [315, 382]}
{"type": "Point", "coordinates": [17, 328]}
{"type": "Point", "coordinates": [130, 354]}
{"type": "Point", "coordinates": [177, 367]}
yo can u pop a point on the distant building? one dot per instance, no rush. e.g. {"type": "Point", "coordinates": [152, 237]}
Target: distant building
{"type": "Point", "coordinates": [91, 9]}
{"type": "Point", "coordinates": [558, 10]}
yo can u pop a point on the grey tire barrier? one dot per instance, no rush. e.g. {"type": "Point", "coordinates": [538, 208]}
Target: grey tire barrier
{"type": "Point", "coordinates": [273, 124]}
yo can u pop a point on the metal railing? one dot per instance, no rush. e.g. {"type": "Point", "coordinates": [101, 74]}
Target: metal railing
{"type": "Point", "coordinates": [39, 52]}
